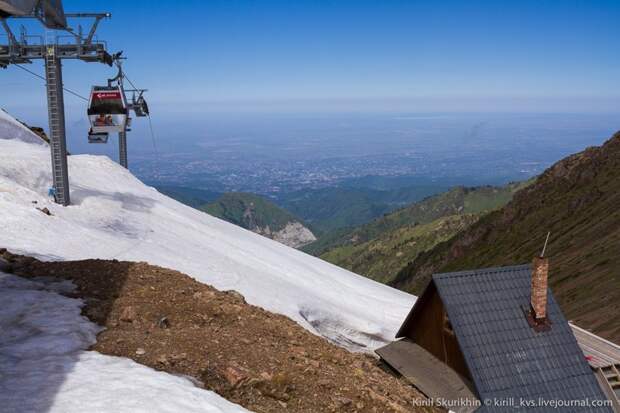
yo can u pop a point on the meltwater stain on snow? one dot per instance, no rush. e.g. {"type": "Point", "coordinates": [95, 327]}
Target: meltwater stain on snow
{"type": "Point", "coordinates": [44, 366]}
{"type": "Point", "coordinates": [335, 330]}
{"type": "Point", "coordinates": [126, 200]}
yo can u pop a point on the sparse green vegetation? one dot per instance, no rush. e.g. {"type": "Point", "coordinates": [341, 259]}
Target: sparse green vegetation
{"type": "Point", "coordinates": [381, 258]}
{"type": "Point", "coordinates": [381, 248]}
{"type": "Point", "coordinates": [577, 200]}
{"type": "Point", "coordinates": [459, 200]}
{"type": "Point", "coordinates": [335, 208]}
{"type": "Point", "coordinates": [249, 211]}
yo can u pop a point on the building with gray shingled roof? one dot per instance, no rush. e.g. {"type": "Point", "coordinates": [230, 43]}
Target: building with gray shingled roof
{"type": "Point", "coordinates": [473, 338]}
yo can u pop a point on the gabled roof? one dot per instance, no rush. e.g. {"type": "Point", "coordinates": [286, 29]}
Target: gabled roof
{"type": "Point", "coordinates": [505, 356]}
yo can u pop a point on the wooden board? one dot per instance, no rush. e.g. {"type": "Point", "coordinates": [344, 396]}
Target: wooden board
{"type": "Point", "coordinates": [609, 392]}
{"type": "Point", "coordinates": [432, 377]}
{"type": "Point", "coordinates": [598, 351]}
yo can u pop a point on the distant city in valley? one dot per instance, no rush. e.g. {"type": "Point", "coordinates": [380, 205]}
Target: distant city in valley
{"type": "Point", "coordinates": [273, 154]}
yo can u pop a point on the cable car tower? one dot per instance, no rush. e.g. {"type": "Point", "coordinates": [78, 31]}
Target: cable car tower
{"type": "Point", "coordinates": [52, 51]}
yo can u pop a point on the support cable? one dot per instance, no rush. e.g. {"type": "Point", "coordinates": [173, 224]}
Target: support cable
{"type": "Point", "coordinates": [43, 78]}
{"type": "Point", "coordinates": [150, 122]}
{"type": "Point", "coordinates": [153, 138]}
{"type": "Point", "coordinates": [129, 80]}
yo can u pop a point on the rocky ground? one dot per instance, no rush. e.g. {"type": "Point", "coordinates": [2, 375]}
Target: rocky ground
{"type": "Point", "coordinates": [294, 234]}
{"type": "Point", "coordinates": [263, 361]}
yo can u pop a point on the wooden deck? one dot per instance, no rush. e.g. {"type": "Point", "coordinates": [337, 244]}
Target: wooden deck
{"type": "Point", "coordinates": [427, 373]}
{"type": "Point", "coordinates": [604, 358]}
{"type": "Point", "coordinates": [598, 351]}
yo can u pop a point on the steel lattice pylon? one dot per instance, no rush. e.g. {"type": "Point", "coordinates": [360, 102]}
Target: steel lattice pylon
{"type": "Point", "coordinates": [56, 114]}
{"type": "Point", "coordinates": [21, 51]}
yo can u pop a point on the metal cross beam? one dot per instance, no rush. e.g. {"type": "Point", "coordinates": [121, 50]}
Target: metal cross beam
{"type": "Point", "coordinates": [24, 53]}
{"type": "Point", "coordinates": [83, 48]}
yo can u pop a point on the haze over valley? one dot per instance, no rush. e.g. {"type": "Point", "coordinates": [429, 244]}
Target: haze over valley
{"type": "Point", "coordinates": [272, 154]}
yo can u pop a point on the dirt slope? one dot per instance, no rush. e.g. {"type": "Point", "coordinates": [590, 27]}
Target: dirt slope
{"type": "Point", "coordinates": [578, 200]}
{"type": "Point", "coordinates": [263, 361]}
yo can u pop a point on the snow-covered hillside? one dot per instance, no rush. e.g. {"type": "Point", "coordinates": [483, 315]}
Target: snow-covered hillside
{"type": "Point", "coordinates": [45, 367]}
{"type": "Point", "coordinates": [114, 215]}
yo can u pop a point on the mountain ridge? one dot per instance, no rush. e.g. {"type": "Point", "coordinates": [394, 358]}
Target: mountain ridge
{"type": "Point", "coordinates": [576, 200]}
{"type": "Point", "coordinates": [458, 200]}
{"type": "Point", "coordinates": [259, 215]}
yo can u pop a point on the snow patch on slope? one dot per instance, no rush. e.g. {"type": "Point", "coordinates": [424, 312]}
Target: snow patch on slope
{"type": "Point", "coordinates": [13, 129]}
{"type": "Point", "coordinates": [114, 215]}
{"type": "Point", "coordinates": [45, 368]}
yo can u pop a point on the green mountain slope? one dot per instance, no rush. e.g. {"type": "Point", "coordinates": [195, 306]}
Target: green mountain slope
{"type": "Point", "coordinates": [334, 208]}
{"type": "Point", "coordinates": [578, 200]}
{"type": "Point", "coordinates": [382, 257]}
{"type": "Point", "coordinates": [261, 216]}
{"type": "Point", "coordinates": [459, 200]}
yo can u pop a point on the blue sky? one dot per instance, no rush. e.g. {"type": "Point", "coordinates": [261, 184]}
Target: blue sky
{"type": "Point", "coordinates": [411, 55]}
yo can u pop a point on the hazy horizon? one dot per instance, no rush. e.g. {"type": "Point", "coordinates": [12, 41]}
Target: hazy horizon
{"type": "Point", "coordinates": [402, 56]}
{"type": "Point", "coordinates": [346, 87]}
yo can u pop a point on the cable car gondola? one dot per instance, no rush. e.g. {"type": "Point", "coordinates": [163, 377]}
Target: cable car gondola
{"type": "Point", "coordinates": [138, 104]}
{"type": "Point", "coordinates": [107, 110]}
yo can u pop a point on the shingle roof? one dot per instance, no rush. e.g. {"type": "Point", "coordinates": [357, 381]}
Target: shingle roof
{"type": "Point", "coordinates": [506, 357]}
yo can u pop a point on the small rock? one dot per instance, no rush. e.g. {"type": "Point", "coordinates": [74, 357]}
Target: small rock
{"type": "Point", "coordinates": [179, 357]}
{"type": "Point", "coordinates": [234, 376]}
{"type": "Point", "coordinates": [342, 402]}
{"type": "Point", "coordinates": [324, 383]}
{"type": "Point", "coordinates": [140, 351]}
{"type": "Point", "coordinates": [162, 359]}
{"type": "Point", "coordinates": [45, 211]}
{"type": "Point", "coordinates": [236, 295]}
{"type": "Point", "coordinates": [163, 322]}
{"type": "Point", "coordinates": [128, 314]}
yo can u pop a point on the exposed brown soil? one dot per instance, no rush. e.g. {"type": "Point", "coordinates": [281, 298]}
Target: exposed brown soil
{"type": "Point", "coordinates": [262, 361]}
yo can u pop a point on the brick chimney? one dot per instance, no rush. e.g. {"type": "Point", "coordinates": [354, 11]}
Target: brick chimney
{"type": "Point", "coordinates": [540, 274]}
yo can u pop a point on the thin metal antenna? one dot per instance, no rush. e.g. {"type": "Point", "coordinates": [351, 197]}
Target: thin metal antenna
{"type": "Point", "coordinates": [542, 254]}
